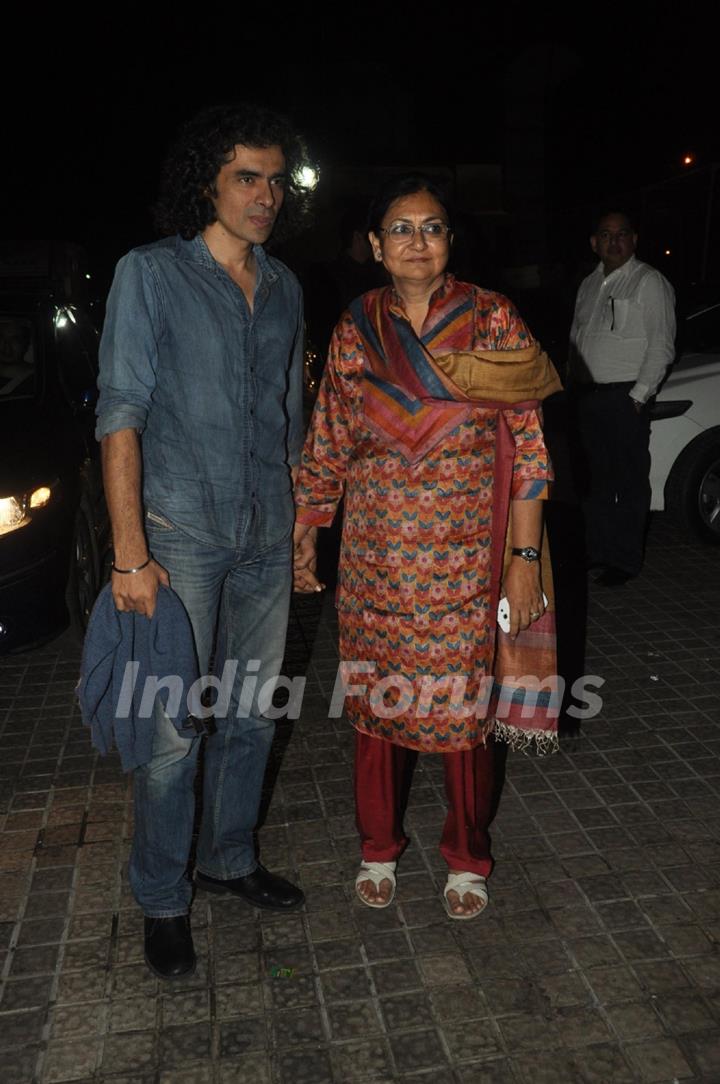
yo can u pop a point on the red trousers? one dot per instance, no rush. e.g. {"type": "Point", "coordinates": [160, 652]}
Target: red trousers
{"type": "Point", "coordinates": [380, 774]}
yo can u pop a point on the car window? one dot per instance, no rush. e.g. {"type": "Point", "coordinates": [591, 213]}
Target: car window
{"type": "Point", "coordinates": [76, 349]}
{"type": "Point", "coordinates": [18, 353]}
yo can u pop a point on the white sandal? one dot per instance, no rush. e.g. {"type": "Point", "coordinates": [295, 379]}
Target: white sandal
{"type": "Point", "coordinates": [377, 872]}
{"type": "Point", "coordinates": [462, 883]}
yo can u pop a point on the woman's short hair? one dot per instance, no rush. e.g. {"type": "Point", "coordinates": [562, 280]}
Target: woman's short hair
{"type": "Point", "coordinates": [405, 184]}
{"type": "Point", "coordinates": [204, 145]}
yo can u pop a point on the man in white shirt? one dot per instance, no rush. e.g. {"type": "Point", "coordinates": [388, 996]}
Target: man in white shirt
{"type": "Point", "coordinates": [621, 343]}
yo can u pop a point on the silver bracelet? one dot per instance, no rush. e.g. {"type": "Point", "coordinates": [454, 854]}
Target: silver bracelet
{"type": "Point", "coordinates": [129, 571]}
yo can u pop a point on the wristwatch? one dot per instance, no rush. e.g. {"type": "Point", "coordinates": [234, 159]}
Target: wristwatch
{"type": "Point", "coordinates": [528, 553]}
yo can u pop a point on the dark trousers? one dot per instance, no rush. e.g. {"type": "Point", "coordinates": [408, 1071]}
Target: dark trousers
{"type": "Point", "coordinates": [615, 441]}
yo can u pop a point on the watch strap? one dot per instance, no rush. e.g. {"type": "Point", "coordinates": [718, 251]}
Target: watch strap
{"type": "Point", "coordinates": [528, 553]}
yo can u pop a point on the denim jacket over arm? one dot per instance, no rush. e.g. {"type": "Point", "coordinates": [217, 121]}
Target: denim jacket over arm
{"type": "Point", "coordinates": [214, 390]}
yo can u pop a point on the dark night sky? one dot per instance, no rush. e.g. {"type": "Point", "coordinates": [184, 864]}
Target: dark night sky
{"type": "Point", "coordinates": [90, 106]}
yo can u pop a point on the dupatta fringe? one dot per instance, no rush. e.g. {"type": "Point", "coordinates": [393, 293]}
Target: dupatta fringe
{"type": "Point", "coordinates": [543, 742]}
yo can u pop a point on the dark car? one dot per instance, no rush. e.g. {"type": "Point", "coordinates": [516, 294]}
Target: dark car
{"type": "Point", "coordinates": [53, 521]}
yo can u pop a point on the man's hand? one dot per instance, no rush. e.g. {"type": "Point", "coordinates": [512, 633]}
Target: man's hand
{"type": "Point", "coordinates": [524, 594]}
{"type": "Point", "coordinates": [305, 559]}
{"type": "Point", "coordinates": [122, 475]}
{"type": "Point", "coordinates": [137, 591]}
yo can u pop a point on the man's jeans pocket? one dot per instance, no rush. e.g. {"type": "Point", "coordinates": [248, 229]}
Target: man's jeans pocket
{"type": "Point", "coordinates": [156, 520]}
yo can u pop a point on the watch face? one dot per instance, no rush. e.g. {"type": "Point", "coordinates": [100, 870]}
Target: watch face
{"type": "Point", "coordinates": [528, 553]}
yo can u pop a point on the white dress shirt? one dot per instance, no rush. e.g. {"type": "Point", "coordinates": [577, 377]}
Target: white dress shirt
{"type": "Point", "coordinates": [624, 328]}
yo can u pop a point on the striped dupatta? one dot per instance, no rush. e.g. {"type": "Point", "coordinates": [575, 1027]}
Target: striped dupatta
{"type": "Point", "coordinates": [409, 403]}
{"type": "Point", "coordinates": [415, 391]}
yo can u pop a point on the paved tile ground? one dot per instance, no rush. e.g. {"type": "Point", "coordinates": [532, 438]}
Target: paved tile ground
{"type": "Point", "coordinates": [596, 961]}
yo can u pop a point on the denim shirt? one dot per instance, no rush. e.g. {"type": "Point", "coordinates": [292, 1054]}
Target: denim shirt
{"type": "Point", "coordinates": [214, 390]}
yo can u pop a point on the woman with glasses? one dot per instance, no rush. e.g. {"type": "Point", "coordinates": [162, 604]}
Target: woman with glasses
{"type": "Point", "coordinates": [427, 420]}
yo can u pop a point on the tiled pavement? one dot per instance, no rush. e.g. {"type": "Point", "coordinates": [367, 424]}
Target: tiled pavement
{"type": "Point", "coordinates": [597, 960]}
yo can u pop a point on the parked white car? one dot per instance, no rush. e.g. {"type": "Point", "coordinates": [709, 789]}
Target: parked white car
{"type": "Point", "coordinates": [685, 434]}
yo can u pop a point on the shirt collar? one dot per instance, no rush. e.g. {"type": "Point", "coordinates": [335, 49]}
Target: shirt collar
{"type": "Point", "coordinates": [627, 266]}
{"type": "Point", "coordinates": [397, 305]}
{"type": "Point", "coordinates": [197, 251]}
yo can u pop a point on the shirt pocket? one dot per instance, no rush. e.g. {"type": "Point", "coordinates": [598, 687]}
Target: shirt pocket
{"type": "Point", "coordinates": [625, 318]}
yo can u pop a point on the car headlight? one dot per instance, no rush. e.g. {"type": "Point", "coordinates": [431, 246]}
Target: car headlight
{"type": "Point", "coordinates": [16, 512]}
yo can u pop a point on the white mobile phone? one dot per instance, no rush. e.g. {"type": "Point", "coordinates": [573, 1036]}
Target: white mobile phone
{"type": "Point", "coordinates": [503, 614]}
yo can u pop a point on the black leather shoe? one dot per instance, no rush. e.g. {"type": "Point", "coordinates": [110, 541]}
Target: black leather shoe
{"type": "Point", "coordinates": [169, 951]}
{"type": "Point", "coordinates": [260, 889]}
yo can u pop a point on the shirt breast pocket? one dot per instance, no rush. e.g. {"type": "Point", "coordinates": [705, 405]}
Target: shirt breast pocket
{"type": "Point", "coordinates": [626, 318]}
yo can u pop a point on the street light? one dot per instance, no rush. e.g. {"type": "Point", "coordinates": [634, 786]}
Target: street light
{"type": "Point", "coordinates": [307, 178]}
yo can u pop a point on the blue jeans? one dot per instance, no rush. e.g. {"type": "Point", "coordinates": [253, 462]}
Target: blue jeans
{"type": "Point", "coordinates": [245, 600]}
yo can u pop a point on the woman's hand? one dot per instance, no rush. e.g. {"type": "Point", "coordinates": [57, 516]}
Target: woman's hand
{"type": "Point", "coordinates": [305, 559]}
{"type": "Point", "coordinates": [523, 589]}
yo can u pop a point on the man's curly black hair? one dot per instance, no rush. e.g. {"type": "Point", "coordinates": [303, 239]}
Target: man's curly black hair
{"type": "Point", "coordinates": [204, 145]}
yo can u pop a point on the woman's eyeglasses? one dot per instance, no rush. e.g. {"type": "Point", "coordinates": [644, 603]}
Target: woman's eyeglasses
{"type": "Point", "coordinates": [405, 231]}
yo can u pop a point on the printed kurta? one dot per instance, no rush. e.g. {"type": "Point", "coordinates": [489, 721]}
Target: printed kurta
{"type": "Point", "coordinates": [414, 580]}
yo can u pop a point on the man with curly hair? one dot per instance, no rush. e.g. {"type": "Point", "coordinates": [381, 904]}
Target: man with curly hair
{"type": "Point", "coordinates": [200, 419]}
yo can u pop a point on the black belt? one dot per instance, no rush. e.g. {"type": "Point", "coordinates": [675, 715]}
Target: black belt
{"type": "Point", "coordinates": [592, 385]}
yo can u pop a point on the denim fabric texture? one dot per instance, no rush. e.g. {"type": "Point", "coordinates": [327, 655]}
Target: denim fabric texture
{"type": "Point", "coordinates": [114, 642]}
{"type": "Point", "coordinates": [214, 389]}
{"type": "Point", "coordinates": [249, 592]}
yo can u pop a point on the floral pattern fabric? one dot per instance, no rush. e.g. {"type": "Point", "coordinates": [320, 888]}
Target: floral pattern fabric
{"type": "Point", "coordinates": [414, 581]}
